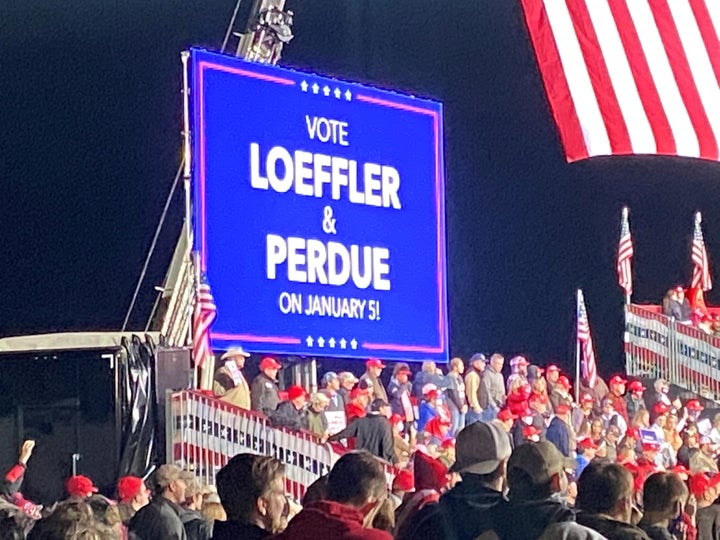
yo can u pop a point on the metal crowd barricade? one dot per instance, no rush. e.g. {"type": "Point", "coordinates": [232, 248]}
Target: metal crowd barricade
{"type": "Point", "coordinates": [659, 346]}
{"type": "Point", "coordinates": [203, 433]}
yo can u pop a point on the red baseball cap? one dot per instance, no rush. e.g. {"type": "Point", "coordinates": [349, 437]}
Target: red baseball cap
{"type": "Point", "coordinates": [564, 381]}
{"type": "Point", "coordinates": [295, 392]}
{"type": "Point", "coordinates": [617, 379]}
{"type": "Point", "coordinates": [404, 481]}
{"type": "Point", "coordinates": [448, 443]}
{"type": "Point", "coordinates": [650, 445]}
{"type": "Point", "coordinates": [504, 415]}
{"type": "Point", "coordinates": [374, 363]}
{"type": "Point", "coordinates": [700, 483]}
{"type": "Point", "coordinates": [396, 418]}
{"type": "Point", "coordinates": [128, 487]}
{"type": "Point", "coordinates": [552, 367]}
{"type": "Point", "coordinates": [694, 405]}
{"type": "Point", "coordinates": [562, 409]}
{"type": "Point", "coordinates": [636, 386]}
{"type": "Point", "coordinates": [633, 432]}
{"type": "Point", "coordinates": [530, 431]}
{"type": "Point", "coordinates": [269, 363]}
{"type": "Point", "coordinates": [587, 398]}
{"type": "Point", "coordinates": [355, 392]}
{"type": "Point", "coordinates": [661, 408]}
{"type": "Point", "coordinates": [80, 486]}
{"type": "Point", "coordinates": [586, 442]}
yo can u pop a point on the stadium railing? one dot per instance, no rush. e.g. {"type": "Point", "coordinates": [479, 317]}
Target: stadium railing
{"type": "Point", "coordinates": [203, 433]}
{"type": "Point", "coordinates": [659, 346]}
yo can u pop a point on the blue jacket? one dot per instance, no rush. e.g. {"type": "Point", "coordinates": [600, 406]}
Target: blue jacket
{"type": "Point", "coordinates": [558, 434]}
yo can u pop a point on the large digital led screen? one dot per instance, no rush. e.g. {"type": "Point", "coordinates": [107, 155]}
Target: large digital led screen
{"type": "Point", "coordinates": [319, 213]}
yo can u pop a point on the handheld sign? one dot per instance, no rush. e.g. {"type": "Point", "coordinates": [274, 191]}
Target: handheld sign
{"type": "Point", "coordinates": [319, 213]}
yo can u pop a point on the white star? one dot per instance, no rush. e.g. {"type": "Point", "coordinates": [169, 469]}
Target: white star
{"type": "Point", "coordinates": [315, 88]}
{"type": "Point", "coordinates": [348, 95]}
{"type": "Point", "coordinates": [353, 343]}
{"type": "Point", "coordinates": [309, 341]}
{"type": "Point", "coordinates": [331, 342]}
{"type": "Point", "coordinates": [343, 343]}
{"type": "Point", "coordinates": [337, 93]}
{"type": "Point", "coordinates": [304, 86]}
{"type": "Point", "coordinates": [326, 90]}
{"type": "Point", "coordinates": [320, 342]}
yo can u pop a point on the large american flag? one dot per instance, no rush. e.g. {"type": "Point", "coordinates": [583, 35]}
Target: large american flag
{"type": "Point", "coordinates": [701, 267]}
{"type": "Point", "coordinates": [203, 316]}
{"type": "Point", "coordinates": [589, 366]}
{"type": "Point", "coordinates": [630, 76]}
{"type": "Point", "coordinates": [625, 253]}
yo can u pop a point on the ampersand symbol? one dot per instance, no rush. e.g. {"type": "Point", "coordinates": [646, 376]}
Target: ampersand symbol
{"type": "Point", "coordinates": [328, 223]}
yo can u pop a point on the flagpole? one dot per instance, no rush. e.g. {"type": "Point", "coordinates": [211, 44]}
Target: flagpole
{"type": "Point", "coordinates": [577, 346]}
{"type": "Point", "coordinates": [625, 215]}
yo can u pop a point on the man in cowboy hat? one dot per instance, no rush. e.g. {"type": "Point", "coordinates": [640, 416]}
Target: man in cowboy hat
{"type": "Point", "coordinates": [229, 382]}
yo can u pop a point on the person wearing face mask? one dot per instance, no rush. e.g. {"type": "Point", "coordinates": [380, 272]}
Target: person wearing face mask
{"type": "Point", "coordinates": [355, 492]}
{"type": "Point", "coordinates": [252, 491]}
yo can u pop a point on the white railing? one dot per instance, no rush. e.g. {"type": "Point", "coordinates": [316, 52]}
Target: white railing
{"type": "Point", "coordinates": [659, 346]}
{"type": "Point", "coordinates": [203, 433]}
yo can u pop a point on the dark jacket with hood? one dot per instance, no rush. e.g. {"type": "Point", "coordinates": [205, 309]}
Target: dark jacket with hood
{"type": "Point", "coordinates": [264, 394]}
{"type": "Point", "coordinates": [234, 530]}
{"type": "Point", "coordinates": [708, 521]}
{"type": "Point", "coordinates": [461, 514]}
{"type": "Point", "coordinates": [610, 528]}
{"type": "Point", "coordinates": [372, 433]}
{"type": "Point", "coordinates": [558, 433]}
{"type": "Point", "coordinates": [527, 520]}
{"type": "Point", "coordinates": [287, 416]}
{"type": "Point", "coordinates": [196, 526]}
{"type": "Point", "coordinates": [159, 520]}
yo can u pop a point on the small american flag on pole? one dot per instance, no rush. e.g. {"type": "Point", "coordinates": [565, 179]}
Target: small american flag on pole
{"type": "Point", "coordinates": [589, 367]}
{"type": "Point", "coordinates": [203, 316]}
{"type": "Point", "coordinates": [701, 270]}
{"type": "Point", "coordinates": [625, 254]}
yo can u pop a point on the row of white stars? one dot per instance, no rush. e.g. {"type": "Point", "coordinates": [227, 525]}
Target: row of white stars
{"type": "Point", "coordinates": [331, 342]}
{"type": "Point", "coordinates": [326, 90]}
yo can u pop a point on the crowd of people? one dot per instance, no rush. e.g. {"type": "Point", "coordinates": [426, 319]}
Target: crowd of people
{"type": "Point", "coordinates": [688, 307]}
{"type": "Point", "coordinates": [478, 454]}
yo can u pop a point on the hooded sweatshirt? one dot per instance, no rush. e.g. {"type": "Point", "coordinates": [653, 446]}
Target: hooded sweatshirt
{"type": "Point", "coordinates": [329, 519]}
{"type": "Point", "coordinates": [536, 517]}
{"type": "Point", "coordinates": [463, 513]}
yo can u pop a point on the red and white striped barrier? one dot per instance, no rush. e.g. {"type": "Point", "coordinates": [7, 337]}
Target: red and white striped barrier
{"type": "Point", "coordinates": [658, 346]}
{"type": "Point", "coordinates": [203, 433]}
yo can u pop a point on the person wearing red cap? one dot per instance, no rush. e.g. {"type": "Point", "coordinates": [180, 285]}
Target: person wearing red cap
{"type": "Point", "coordinates": [586, 450]}
{"type": "Point", "coordinates": [581, 415]}
{"type": "Point", "coordinates": [133, 494]}
{"type": "Point", "coordinates": [371, 377]}
{"type": "Point", "coordinates": [80, 487]}
{"type": "Point", "coordinates": [372, 432]}
{"type": "Point", "coordinates": [552, 374]}
{"type": "Point", "coordinates": [634, 399]}
{"type": "Point", "coordinates": [617, 396]}
{"type": "Point", "coordinates": [560, 433]}
{"type": "Point", "coordinates": [430, 480]}
{"type": "Point", "coordinates": [531, 434]}
{"type": "Point", "coordinates": [694, 409]}
{"type": "Point", "coordinates": [705, 490]}
{"type": "Point", "coordinates": [291, 414]}
{"type": "Point", "coordinates": [358, 404]}
{"type": "Point", "coordinates": [264, 393]}
{"type": "Point", "coordinates": [560, 394]}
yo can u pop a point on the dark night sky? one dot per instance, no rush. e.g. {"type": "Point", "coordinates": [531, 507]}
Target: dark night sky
{"type": "Point", "coordinates": [90, 143]}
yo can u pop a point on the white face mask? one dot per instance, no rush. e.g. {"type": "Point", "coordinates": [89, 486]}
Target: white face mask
{"type": "Point", "coordinates": [527, 419]}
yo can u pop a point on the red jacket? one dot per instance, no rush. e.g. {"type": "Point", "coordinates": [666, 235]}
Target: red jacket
{"type": "Point", "coordinates": [328, 519]}
{"type": "Point", "coordinates": [619, 405]}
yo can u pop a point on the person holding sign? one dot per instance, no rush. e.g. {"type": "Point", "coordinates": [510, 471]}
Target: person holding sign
{"type": "Point", "coordinates": [229, 382]}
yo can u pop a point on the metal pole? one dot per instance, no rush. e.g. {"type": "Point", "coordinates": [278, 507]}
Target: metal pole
{"type": "Point", "coordinates": [577, 347]}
